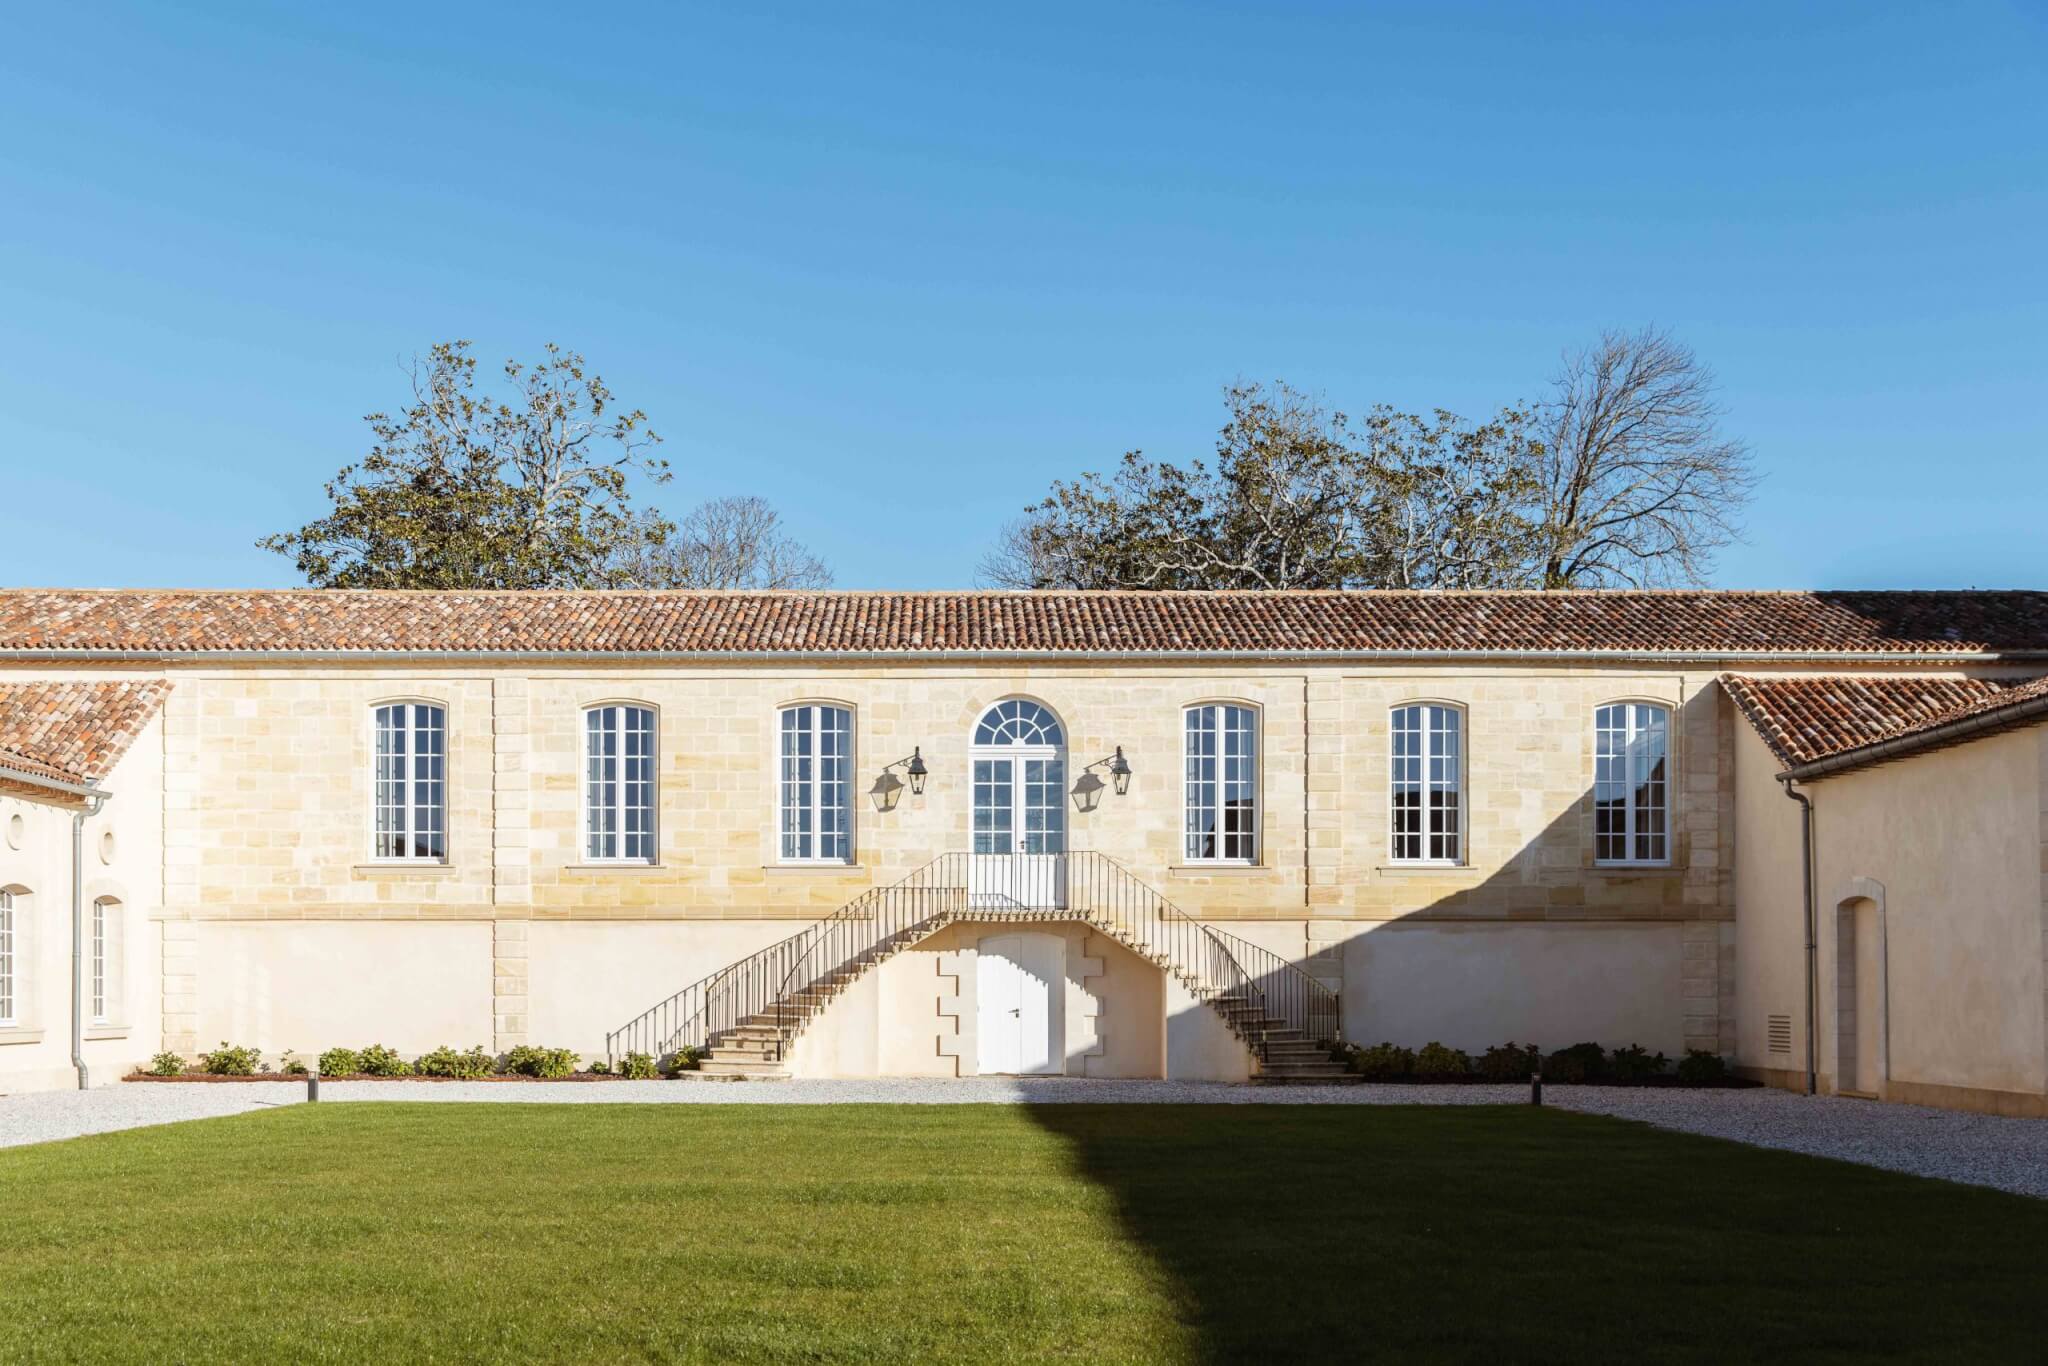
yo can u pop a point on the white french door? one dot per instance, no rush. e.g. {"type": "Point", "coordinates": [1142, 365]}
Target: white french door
{"type": "Point", "coordinates": [1020, 1022]}
{"type": "Point", "coordinates": [1020, 828]}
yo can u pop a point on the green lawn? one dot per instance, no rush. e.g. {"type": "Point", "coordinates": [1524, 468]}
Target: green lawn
{"type": "Point", "coordinates": [518, 1232]}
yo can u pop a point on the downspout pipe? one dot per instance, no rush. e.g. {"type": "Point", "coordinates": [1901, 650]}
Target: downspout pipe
{"type": "Point", "coordinates": [95, 799]}
{"type": "Point", "coordinates": [1812, 931]}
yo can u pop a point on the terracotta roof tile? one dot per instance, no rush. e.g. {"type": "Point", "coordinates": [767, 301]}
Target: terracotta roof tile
{"type": "Point", "coordinates": [1807, 719]}
{"type": "Point", "coordinates": [1731, 623]}
{"type": "Point", "coordinates": [73, 732]}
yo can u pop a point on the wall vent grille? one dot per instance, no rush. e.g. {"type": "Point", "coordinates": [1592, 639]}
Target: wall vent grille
{"type": "Point", "coordinates": [1779, 1033]}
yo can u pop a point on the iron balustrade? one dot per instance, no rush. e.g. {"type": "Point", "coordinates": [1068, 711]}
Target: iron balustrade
{"type": "Point", "coordinates": [783, 986]}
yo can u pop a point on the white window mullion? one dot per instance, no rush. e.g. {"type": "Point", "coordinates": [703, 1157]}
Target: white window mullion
{"type": "Point", "coordinates": [9, 990]}
{"type": "Point", "coordinates": [814, 815]}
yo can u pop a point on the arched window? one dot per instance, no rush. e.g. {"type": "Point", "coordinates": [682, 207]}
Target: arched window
{"type": "Point", "coordinates": [1427, 783]}
{"type": "Point", "coordinates": [1018, 722]}
{"type": "Point", "coordinates": [411, 788]}
{"type": "Point", "coordinates": [814, 788]}
{"type": "Point", "coordinates": [1221, 818]}
{"type": "Point", "coordinates": [10, 994]}
{"type": "Point", "coordinates": [1631, 783]}
{"type": "Point", "coordinates": [618, 784]}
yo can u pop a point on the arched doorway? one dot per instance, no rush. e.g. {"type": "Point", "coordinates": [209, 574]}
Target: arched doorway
{"type": "Point", "coordinates": [1019, 760]}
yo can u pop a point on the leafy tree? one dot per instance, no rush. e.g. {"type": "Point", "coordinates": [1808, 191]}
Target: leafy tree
{"type": "Point", "coordinates": [1296, 498]}
{"type": "Point", "coordinates": [1621, 476]}
{"type": "Point", "coordinates": [528, 489]}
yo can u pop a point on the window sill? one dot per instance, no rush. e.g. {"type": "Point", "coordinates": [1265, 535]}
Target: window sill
{"type": "Point", "coordinates": [624, 869]}
{"type": "Point", "coordinates": [396, 869]}
{"type": "Point", "coordinates": [1423, 870]}
{"type": "Point", "coordinates": [10, 1034]}
{"type": "Point", "coordinates": [1217, 870]}
{"type": "Point", "coordinates": [813, 869]}
{"type": "Point", "coordinates": [105, 1031]}
{"type": "Point", "coordinates": [1632, 869]}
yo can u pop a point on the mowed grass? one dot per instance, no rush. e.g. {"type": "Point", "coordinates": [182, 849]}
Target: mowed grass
{"type": "Point", "coordinates": [408, 1232]}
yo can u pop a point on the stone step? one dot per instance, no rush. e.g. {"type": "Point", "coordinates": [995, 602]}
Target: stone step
{"type": "Point", "coordinates": [1343, 1079]}
{"type": "Point", "coordinates": [1304, 1069]}
{"type": "Point", "coordinates": [715, 1066]}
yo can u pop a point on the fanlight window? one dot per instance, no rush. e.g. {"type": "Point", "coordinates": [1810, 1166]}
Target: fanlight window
{"type": "Point", "coordinates": [1631, 783]}
{"type": "Point", "coordinates": [1018, 722]}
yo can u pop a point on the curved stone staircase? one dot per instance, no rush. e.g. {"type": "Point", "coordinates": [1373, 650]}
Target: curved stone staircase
{"type": "Point", "coordinates": [749, 1014]}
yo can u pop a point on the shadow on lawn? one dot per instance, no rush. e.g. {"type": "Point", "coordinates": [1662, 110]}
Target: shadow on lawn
{"type": "Point", "coordinates": [1317, 1233]}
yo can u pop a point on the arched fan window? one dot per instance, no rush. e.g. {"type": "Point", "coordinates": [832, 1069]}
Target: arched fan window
{"type": "Point", "coordinates": [1018, 722]}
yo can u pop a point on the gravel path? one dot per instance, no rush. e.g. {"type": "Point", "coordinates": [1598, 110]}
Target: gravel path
{"type": "Point", "coordinates": [2009, 1154]}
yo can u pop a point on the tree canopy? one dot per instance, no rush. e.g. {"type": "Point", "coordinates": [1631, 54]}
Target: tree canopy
{"type": "Point", "coordinates": [1619, 477]}
{"type": "Point", "coordinates": [531, 487]}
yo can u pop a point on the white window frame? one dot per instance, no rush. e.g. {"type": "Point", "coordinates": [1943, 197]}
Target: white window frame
{"type": "Point", "coordinates": [1191, 837]}
{"type": "Point", "coordinates": [817, 805]}
{"type": "Point", "coordinates": [1630, 731]}
{"type": "Point", "coordinates": [618, 806]}
{"type": "Point", "coordinates": [1432, 714]}
{"type": "Point", "coordinates": [101, 962]}
{"type": "Point", "coordinates": [10, 961]}
{"type": "Point", "coordinates": [408, 722]}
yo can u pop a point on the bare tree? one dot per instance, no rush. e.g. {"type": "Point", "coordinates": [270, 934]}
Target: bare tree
{"type": "Point", "coordinates": [1637, 485]}
{"type": "Point", "coordinates": [724, 543]}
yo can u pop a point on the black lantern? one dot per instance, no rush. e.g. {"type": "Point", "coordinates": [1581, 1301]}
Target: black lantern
{"type": "Point", "coordinates": [1120, 772]}
{"type": "Point", "coordinates": [917, 771]}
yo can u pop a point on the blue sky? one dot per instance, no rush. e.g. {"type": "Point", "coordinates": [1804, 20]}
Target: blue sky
{"type": "Point", "coordinates": [897, 268]}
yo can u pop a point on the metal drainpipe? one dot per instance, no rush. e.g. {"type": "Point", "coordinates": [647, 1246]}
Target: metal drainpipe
{"type": "Point", "coordinates": [1812, 933]}
{"type": "Point", "coordinates": [78, 819]}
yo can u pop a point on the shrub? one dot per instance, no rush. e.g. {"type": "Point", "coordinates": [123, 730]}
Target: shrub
{"type": "Point", "coordinates": [379, 1061]}
{"type": "Point", "coordinates": [167, 1065]}
{"type": "Point", "coordinates": [291, 1064]}
{"type": "Point", "coordinates": [531, 1060]}
{"type": "Point", "coordinates": [1509, 1062]}
{"type": "Point", "coordinates": [446, 1062]}
{"type": "Point", "coordinates": [688, 1058]}
{"type": "Point", "coordinates": [599, 1068]}
{"type": "Point", "coordinates": [1382, 1062]}
{"type": "Point", "coordinates": [1634, 1064]}
{"type": "Point", "coordinates": [1436, 1060]}
{"type": "Point", "coordinates": [1580, 1062]}
{"type": "Point", "coordinates": [230, 1061]}
{"type": "Point", "coordinates": [638, 1067]}
{"type": "Point", "coordinates": [1699, 1067]}
{"type": "Point", "coordinates": [340, 1062]}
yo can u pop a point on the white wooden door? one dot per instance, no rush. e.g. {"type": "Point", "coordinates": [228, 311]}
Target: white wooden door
{"type": "Point", "coordinates": [1019, 1020]}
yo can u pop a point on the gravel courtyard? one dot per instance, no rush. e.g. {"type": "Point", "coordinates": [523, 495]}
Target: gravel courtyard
{"type": "Point", "coordinates": [1985, 1150]}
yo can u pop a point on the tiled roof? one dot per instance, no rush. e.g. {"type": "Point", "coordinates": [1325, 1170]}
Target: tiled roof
{"type": "Point", "coordinates": [73, 732]}
{"type": "Point", "coordinates": [1805, 720]}
{"type": "Point", "coordinates": [1733, 623]}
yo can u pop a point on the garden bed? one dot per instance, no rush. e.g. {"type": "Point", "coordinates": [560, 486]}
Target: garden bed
{"type": "Point", "coordinates": [1664, 1082]}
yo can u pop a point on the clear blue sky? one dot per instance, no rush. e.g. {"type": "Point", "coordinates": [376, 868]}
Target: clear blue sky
{"type": "Point", "coordinates": [896, 269]}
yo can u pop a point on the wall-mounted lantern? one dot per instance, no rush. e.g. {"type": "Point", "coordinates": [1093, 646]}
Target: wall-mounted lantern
{"type": "Point", "coordinates": [1120, 772]}
{"type": "Point", "coordinates": [917, 771]}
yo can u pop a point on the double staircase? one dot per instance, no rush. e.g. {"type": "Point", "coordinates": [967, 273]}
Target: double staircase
{"type": "Point", "coordinates": [748, 1015]}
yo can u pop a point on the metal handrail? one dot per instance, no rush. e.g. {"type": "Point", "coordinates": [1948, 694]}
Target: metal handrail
{"type": "Point", "coordinates": [786, 984]}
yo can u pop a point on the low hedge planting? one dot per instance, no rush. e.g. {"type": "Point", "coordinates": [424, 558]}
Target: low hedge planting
{"type": "Point", "coordinates": [1580, 1064]}
{"type": "Point", "coordinates": [166, 1065]}
{"type": "Point", "coordinates": [531, 1060]}
{"type": "Point", "coordinates": [638, 1067]}
{"type": "Point", "coordinates": [231, 1061]}
{"type": "Point", "coordinates": [446, 1062]}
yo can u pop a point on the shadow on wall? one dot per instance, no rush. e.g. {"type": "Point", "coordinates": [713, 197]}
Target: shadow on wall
{"type": "Point", "coordinates": [1547, 947]}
